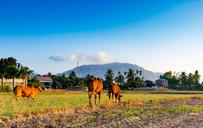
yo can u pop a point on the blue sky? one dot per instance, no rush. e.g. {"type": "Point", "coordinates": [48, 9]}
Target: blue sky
{"type": "Point", "coordinates": [52, 35]}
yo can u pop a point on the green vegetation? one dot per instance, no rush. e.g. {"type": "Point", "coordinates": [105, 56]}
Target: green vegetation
{"type": "Point", "coordinates": [108, 78]}
{"type": "Point", "coordinates": [60, 100]}
{"type": "Point", "coordinates": [33, 82]}
{"type": "Point", "coordinates": [134, 79]}
{"type": "Point", "coordinates": [5, 88]}
{"type": "Point", "coordinates": [9, 68]}
{"type": "Point", "coordinates": [130, 80]}
{"type": "Point", "coordinates": [183, 81]}
{"type": "Point", "coordinates": [63, 82]}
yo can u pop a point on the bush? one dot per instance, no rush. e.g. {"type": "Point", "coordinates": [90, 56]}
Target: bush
{"type": "Point", "coordinates": [5, 89]}
{"type": "Point", "coordinates": [33, 82]}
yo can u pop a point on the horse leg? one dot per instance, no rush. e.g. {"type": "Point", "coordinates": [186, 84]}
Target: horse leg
{"type": "Point", "coordinates": [33, 98]}
{"type": "Point", "coordinates": [100, 96]}
{"type": "Point", "coordinates": [90, 96]}
{"type": "Point", "coordinates": [116, 97]}
{"type": "Point", "coordinates": [112, 95]}
{"type": "Point", "coordinates": [95, 96]}
{"type": "Point", "coordinates": [109, 92]}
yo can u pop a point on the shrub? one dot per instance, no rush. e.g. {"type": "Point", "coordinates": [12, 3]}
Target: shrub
{"type": "Point", "coordinates": [5, 89]}
{"type": "Point", "coordinates": [33, 82]}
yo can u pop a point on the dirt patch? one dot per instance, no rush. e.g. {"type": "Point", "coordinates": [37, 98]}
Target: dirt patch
{"type": "Point", "coordinates": [191, 120]}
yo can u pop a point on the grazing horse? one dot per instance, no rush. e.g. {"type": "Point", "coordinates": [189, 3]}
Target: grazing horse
{"type": "Point", "coordinates": [26, 91]}
{"type": "Point", "coordinates": [115, 91]}
{"type": "Point", "coordinates": [95, 86]}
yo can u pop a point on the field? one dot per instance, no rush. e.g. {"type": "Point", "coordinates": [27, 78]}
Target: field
{"type": "Point", "coordinates": [70, 109]}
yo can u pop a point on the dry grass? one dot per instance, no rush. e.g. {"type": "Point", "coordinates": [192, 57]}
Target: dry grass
{"type": "Point", "coordinates": [56, 101]}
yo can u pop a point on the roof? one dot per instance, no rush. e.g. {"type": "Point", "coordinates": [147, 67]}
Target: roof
{"type": "Point", "coordinates": [44, 79]}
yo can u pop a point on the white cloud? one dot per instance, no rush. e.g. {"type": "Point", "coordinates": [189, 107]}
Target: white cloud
{"type": "Point", "coordinates": [58, 58]}
{"type": "Point", "coordinates": [100, 57]}
{"type": "Point", "coordinates": [103, 57]}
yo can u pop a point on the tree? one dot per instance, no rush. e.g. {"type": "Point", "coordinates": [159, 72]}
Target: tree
{"type": "Point", "coordinates": [8, 67]}
{"type": "Point", "coordinates": [138, 81]}
{"type": "Point", "coordinates": [140, 73]}
{"type": "Point", "coordinates": [120, 78]}
{"type": "Point", "coordinates": [10, 72]}
{"type": "Point", "coordinates": [196, 77]}
{"type": "Point", "coordinates": [72, 75]}
{"type": "Point", "coordinates": [57, 84]}
{"type": "Point", "coordinates": [33, 82]}
{"type": "Point", "coordinates": [24, 73]}
{"type": "Point", "coordinates": [108, 78]}
{"type": "Point", "coordinates": [131, 78]}
{"type": "Point", "coordinates": [190, 80]}
{"type": "Point", "coordinates": [137, 72]}
{"type": "Point", "coordinates": [173, 80]}
{"type": "Point", "coordinates": [183, 78]}
{"type": "Point", "coordinates": [167, 75]}
{"type": "Point", "coordinates": [148, 83]}
{"type": "Point", "coordinates": [49, 74]}
{"type": "Point", "coordinates": [88, 77]}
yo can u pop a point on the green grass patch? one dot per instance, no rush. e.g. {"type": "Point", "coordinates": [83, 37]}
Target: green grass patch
{"type": "Point", "coordinates": [54, 100]}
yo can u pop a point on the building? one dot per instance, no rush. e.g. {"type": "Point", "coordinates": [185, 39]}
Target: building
{"type": "Point", "coordinates": [161, 83]}
{"type": "Point", "coordinates": [45, 81]}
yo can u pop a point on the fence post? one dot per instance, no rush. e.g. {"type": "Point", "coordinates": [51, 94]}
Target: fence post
{"type": "Point", "coordinates": [14, 82]}
{"type": "Point", "coordinates": [2, 81]}
{"type": "Point", "coordinates": [25, 81]}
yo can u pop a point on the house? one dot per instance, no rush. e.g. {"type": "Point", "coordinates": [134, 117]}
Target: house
{"type": "Point", "coordinates": [45, 81]}
{"type": "Point", "coordinates": [161, 83]}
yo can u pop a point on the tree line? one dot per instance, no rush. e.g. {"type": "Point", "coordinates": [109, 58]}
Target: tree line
{"type": "Point", "coordinates": [71, 81]}
{"type": "Point", "coordinates": [183, 80]}
{"type": "Point", "coordinates": [133, 79]}
{"type": "Point", "coordinates": [129, 80]}
{"type": "Point", "coordinates": [10, 68]}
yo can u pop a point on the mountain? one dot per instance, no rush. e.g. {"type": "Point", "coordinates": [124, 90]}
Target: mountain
{"type": "Point", "coordinates": [100, 69]}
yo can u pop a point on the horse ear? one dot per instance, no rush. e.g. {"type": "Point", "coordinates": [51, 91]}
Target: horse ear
{"type": "Point", "coordinates": [93, 78]}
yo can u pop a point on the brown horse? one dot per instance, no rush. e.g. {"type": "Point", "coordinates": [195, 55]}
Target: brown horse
{"type": "Point", "coordinates": [95, 86]}
{"type": "Point", "coordinates": [26, 91]}
{"type": "Point", "coordinates": [115, 90]}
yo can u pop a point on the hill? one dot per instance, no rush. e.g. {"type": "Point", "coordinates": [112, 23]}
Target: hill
{"type": "Point", "coordinates": [100, 69]}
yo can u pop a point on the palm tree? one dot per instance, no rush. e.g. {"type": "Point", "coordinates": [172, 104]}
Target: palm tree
{"type": "Point", "coordinates": [140, 73]}
{"type": "Point", "coordinates": [183, 79]}
{"type": "Point", "coordinates": [49, 74]}
{"type": "Point", "coordinates": [125, 73]}
{"type": "Point", "coordinates": [120, 78]}
{"type": "Point", "coordinates": [24, 73]}
{"type": "Point", "coordinates": [137, 72]}
{"type": "Point", "coordinates": [131, 78]}
{"type": "Point", "coordinates": [72, 75]}
{"type": "Point", "coordinates": [196, 77]}
{"type": "Point", "coordinates": [108, 77]}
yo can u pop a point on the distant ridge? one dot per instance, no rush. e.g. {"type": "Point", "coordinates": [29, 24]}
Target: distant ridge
{"type": "Point", "coordinates": [100, 69]}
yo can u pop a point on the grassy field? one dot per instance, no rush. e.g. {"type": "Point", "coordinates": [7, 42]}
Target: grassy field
{"type": "Point", "coordinates": [56, 100]}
